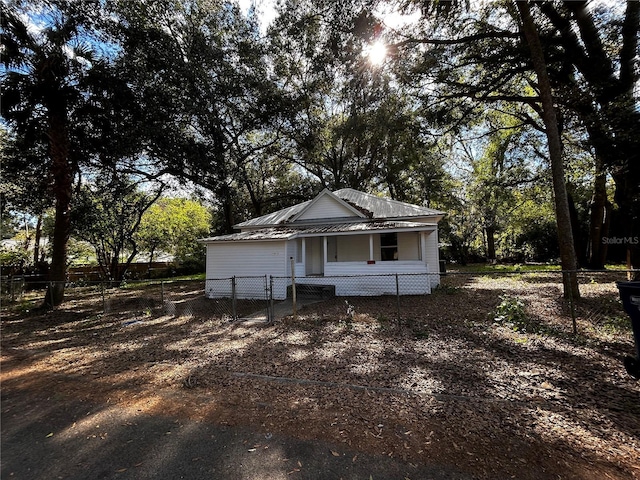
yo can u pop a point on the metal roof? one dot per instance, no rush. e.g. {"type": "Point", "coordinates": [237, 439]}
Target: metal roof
{"type": "Point", "coordinates": [371, 205]}
{"type": "Point", "coordinates": [289, 233]}
{"type": "Point", "coordinates": [384, 207]}
{"type": "Point", "coordinates": [253, 235]}
{"type": "Point", "coordinates": [275, 218]}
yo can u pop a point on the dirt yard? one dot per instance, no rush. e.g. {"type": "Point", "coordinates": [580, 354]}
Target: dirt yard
{"type": "Point", "coordinates": [484, 374]}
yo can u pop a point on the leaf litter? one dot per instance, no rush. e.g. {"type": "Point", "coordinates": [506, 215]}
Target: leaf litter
{"type": "Point", "coordinates": [446, 385]}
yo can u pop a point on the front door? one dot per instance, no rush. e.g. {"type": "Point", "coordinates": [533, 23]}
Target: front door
{"type": "Point", "coordinates": [314, 263]}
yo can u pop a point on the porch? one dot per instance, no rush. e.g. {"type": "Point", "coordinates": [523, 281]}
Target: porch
{"type": "Point", "coordinates": [368, 264]}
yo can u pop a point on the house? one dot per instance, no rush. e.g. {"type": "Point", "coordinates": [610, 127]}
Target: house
{"type": "Point", "coordinates": [350, 240]}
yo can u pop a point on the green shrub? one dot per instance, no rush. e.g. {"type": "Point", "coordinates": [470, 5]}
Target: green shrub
{"type": "Point", "coordinates": [511, 312]}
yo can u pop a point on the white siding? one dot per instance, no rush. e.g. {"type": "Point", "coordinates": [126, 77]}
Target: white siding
{"type": "Point", "coordinates": [247, 259]}
{"type": "Point", "coordinates": [432, 256]}
{"type": "Point", "coordinates": [292, 251]}
{"type": "Point", "coordinates": [378, 268]}
{"type": "Point", "coordinates": [326, 207]}
{"type": "Point", "coordinates": [351, 248]}
{"type": "Point", "coordinates": [376, 247]}
{"type": "Point", "coordinates": [409, 246]}
{"type": "Point", "coordinates": [353, 279]}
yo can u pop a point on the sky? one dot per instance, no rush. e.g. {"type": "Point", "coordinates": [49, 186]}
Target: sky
{"type": "Point", "coordinates": [267, 13]}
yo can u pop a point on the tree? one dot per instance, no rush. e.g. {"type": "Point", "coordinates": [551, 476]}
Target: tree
{"type": "Point", "coordinates": [600, 218]}
{"type": "Point", "coordinates": [592, 63]}
{"type": "Point", "coordinates": [333, 98]}
{"type": "Point", "coordinates": [491, 187]}
{"type": "Point", "coordinates": [199, 71]}
{"type": "Point", "coordinates": [563, 218]}
{"type": "Point", "coordinates": [42, 78]}
{"type": "Point", "coordinates": [174, 225]}
{"type": "Point", "coordinates": [49, 102]}
{"type": "Point", "coordinates": [108, 215]}
{"type": "Point", "coordinates": [599, 82]}
{"type": "Point", "coordinates": [350, 123]}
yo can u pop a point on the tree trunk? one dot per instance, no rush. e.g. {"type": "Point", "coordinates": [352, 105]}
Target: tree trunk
{"type": "Point", "coordinates": [563, 218]}
{"type": "Point", "coordinates": [62, 175]}
{"type": "Point", "coordinates": [113, 268]}
{"type": "Point", "coordinates": [227, 208]}
{"type": "Point", "coordinates": [125, 268]}
{"type": "Point", "coordinates": [36, 244]}
{"type": "Point", "coordinates": [599, 219]}
{"type": "Point", "coordinates": [579, 244]}
{"type": "Point", "coordinates": [491, 242]}
{"type": "Point", "coordinates": [623, 163]}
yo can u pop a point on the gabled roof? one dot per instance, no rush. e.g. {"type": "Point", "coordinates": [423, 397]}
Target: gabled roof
{"type": "Point", "coordinates": [362, 205]}
{"type": "Point", "coordinates": [326, 193]}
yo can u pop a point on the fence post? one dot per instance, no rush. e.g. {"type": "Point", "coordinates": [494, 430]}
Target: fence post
{"type": "Point", "coordinates": [271, 315]}
{"type": "Point", "coordinates": [266, 296]}
{"type": "Point", "coordinates": [162, 296]}
{"type": "Point", "coordinates": [12, 289]}
{"type": "Point", "coordinates": [398, 299]}
{"type": "Point", "coordinates": [293, 287]}
{"type": "Point", "coordinates": [573, 310]}
{"type": "Point", "coordinates": [51, 293]}
{"type": "Point", "coordinates": [104, 303]}
{"type": "Point", "coordinates": [234, 313]}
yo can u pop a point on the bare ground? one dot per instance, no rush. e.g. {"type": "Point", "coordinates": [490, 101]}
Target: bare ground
{"type": "Point", "coordinates": [448, 385]}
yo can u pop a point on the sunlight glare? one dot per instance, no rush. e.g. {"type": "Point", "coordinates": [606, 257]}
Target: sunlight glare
{"type": "Point", "coordinates": [377, 53]}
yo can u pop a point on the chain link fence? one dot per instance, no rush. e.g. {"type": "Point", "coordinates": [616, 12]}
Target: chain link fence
{"type": "Point", "coordinates": [144, 298]}
{"type": "Point", "coordinates": [514, 297]}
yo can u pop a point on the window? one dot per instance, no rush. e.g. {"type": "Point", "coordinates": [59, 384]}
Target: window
{"type": "Point", "coordinates": [299, 250]}
{"type": "Point", "coordinates": [388, 246]}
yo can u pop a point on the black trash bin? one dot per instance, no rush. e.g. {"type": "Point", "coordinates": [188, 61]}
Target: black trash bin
{"type": "Point", "coordinates": [630, 296]}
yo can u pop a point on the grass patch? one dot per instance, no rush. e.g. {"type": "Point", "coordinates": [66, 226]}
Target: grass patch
{"type": "Point", "coordinates": [446, 289]}
{"type": "Point", "coordinates": [615, 325]}
{"type": "Point", "coordinates": [504, 268]}
{"type": "Point", "coordinates": [141, 284]}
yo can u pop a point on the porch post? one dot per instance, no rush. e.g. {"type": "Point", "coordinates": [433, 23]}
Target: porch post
{"type": "Point", "coordinates": [324, 252]}
{"type": "Point", "coordinates": [304, 253]}
{"type": "Point", "coordinates": [371, 246]}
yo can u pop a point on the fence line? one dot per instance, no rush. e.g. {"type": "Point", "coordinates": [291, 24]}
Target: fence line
{"type": "Point", "coordinates": [231, 298]}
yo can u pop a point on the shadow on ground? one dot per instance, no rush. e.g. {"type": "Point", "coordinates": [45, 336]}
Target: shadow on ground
{"type": "Point", "coordinates": [55, 437]}
{"type": "Point", "coordinates": [460, 390]}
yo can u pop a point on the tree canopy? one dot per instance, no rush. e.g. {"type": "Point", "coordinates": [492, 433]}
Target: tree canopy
{"type": "Point", "coordinates": [456, 115]}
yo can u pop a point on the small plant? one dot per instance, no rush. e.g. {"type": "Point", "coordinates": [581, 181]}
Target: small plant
{"type": "Point", "coordinates": [616, 325]}
{"type": "Point", "coordinates": [351, 310]}
{"type": "Point", "coordinates": [25, 306]}
{"type": "Point", "coordinates": [384, 323]}
{"type": "Point", "coordinates": [511, 312]}
{"type": "Point", "coordinates": [446, 289]}
{"type": "Point", "coordinates": [422, 334]}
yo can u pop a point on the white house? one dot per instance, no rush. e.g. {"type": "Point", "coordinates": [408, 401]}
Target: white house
{"type": "Point", "coordinates": [352, 240]}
